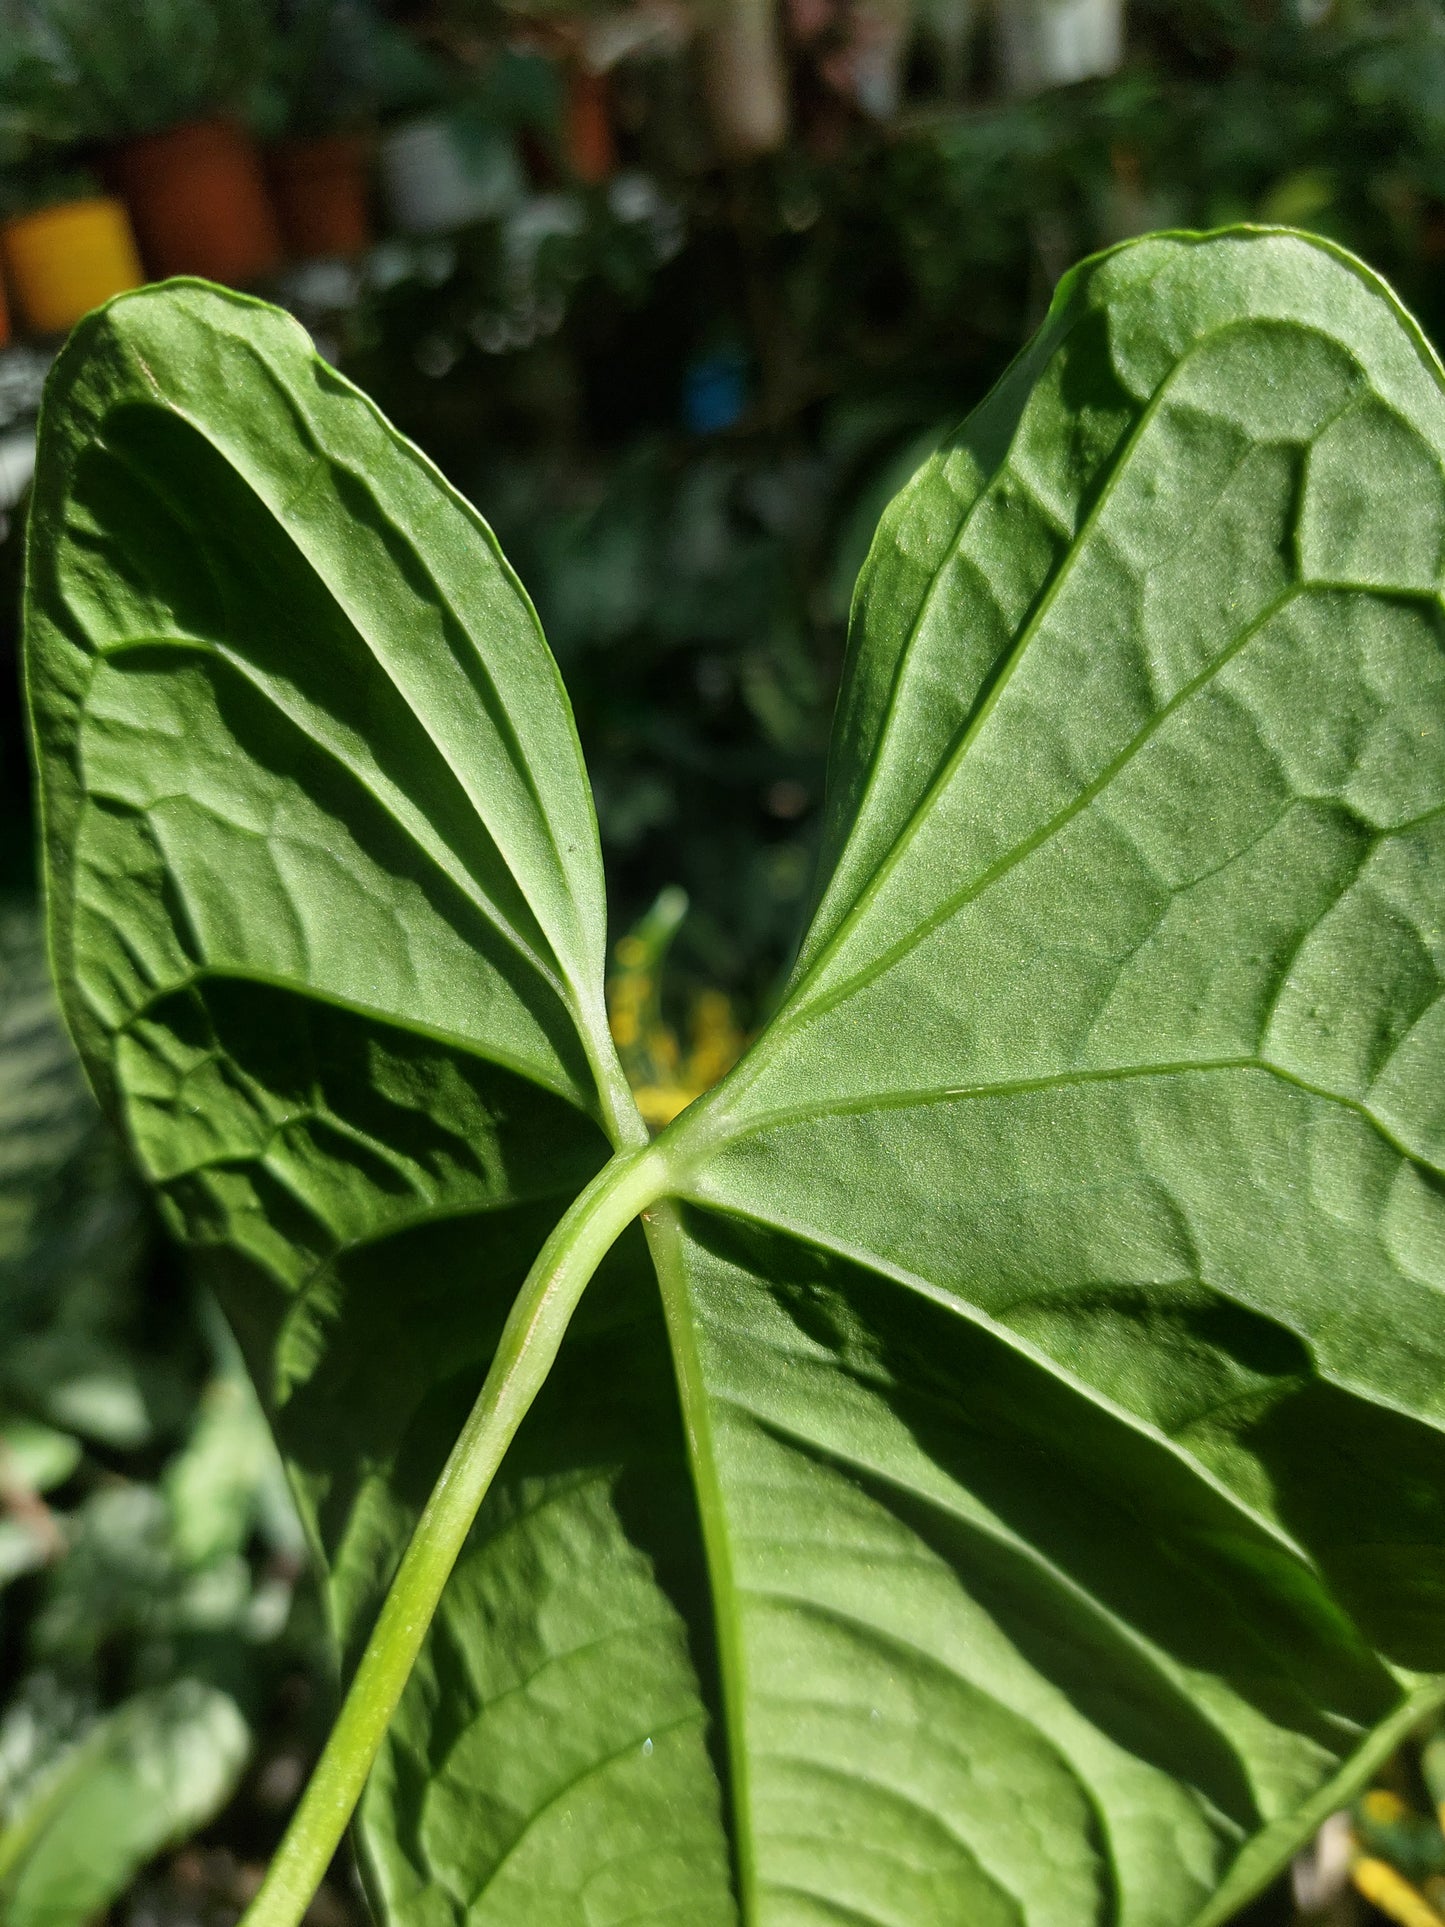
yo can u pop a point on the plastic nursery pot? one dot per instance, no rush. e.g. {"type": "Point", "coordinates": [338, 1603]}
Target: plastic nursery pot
{"type": "Point", "coordinates": [198, 198]}
{"type": "Point", "coordinates": [321, 190]}
{"type": "Point", "coordinates": [63, 261]}
{"type": "Point", "coordinates": [438, 174]}
{"type": "Point", "coordinates": [744, 78]}
{"type": "Point", "coordinates": [1053, 43]}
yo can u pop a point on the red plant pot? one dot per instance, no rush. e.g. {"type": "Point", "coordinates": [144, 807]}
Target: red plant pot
{"type": "Point", "coordinates": [591, 151]}
{"type": "Point", "coordinates": [321, 189]}
{"type": "Point", "coordinates": [198, 199]}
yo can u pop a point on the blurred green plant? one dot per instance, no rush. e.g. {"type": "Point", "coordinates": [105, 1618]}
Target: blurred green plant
{"type": "Point", "coordinates": [118, 67]}
{"type": "Point", "coordinates": [148, 1546]}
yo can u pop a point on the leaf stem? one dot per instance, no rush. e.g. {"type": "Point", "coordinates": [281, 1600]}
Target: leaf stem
{"type": "Point", "coordinates": [525, 1353]}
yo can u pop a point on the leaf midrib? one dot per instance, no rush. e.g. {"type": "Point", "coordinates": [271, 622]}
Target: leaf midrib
{"type": "Point", "coordinates": [664, 1239]}
{"type": "Point", "coordinates": [718, 1141]}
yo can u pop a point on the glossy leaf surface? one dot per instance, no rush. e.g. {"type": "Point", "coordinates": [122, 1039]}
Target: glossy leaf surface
{"type": "Point", "coordinates": [1053, 1292]}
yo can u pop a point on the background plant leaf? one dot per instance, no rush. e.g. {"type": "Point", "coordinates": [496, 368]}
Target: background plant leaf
{"type": "Point", "coordinates": [72, 1225]}
{"type": "Point", "coordinates": [142, 1637]}
{"type": "Point", "coordinates": [142, 1776]}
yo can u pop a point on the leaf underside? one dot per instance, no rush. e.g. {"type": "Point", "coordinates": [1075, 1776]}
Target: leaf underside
{"type": "Point", "coordinates": [1012, 1492]}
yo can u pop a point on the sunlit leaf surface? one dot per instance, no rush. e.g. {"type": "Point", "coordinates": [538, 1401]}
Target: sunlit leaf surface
{"type": "Point", "coordinates": [1014, 1492]}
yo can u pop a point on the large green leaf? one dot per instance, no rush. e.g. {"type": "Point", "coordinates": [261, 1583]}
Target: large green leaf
{"type": "Point", "coordinates": [1070, 1281]}
{"type": "Point", "coordinates": [311, 733]}
{"type": "Point", "coordinates": [1053, 1292]}
{"type": "Point", "coordinates": [327, 909]}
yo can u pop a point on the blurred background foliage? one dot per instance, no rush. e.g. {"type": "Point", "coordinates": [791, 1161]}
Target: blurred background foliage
{"type": "Point", "coordinates": [701, 303]}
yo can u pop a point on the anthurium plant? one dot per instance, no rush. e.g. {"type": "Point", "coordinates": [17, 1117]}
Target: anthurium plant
{"type": "Point", "coordinates": [984, 1460]}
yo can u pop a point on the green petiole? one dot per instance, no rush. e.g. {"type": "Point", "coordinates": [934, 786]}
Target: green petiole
{"type": "Point", "coordinates": [525, 1353]}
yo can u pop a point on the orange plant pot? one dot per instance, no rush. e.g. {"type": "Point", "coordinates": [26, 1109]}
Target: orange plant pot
{"type": "Point", "coordinates": [322, 196]}
{"type": "Point", "coordinates": [198, 198]}
{"type": "Point", "coordinates": [591, 151]}
{"type": "Point", "coordinates": [63, 261]}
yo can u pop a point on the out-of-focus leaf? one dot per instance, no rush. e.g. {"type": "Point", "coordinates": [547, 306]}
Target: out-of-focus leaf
{"type": "Point", "coordinates": [36, 1457]}
{"type": "Point", "coordinates": [143, 1776]}
{"type": "Point", "coordinates": [33, 1459]}
{"type": "Point", "coordinates": [122, 1580]}
{"type": "Point", "coordinates": [71, 1222]}
{"type": "Point", "coordinates": [220, 1485]}
{"type": "Point", "coordinates": [1412, 1844]}
{"type": "Point", "coordinates": [43, 1718]}
{"type": "Point", "coordinates": [22, 1549]}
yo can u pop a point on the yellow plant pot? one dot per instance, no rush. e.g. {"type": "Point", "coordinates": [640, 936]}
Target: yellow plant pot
{"type": "Point", "coordinates": [63, 261]}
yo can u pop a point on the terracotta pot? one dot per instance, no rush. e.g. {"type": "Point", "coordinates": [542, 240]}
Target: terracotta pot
{"type": "Point", "coordinates": [591, 152]}
{"type": "Point", "coordinates": [321, 191]}
{"type": "Point", "coordinates": [63, 261]}
{"type": "Point", "coordinates": [198, 198]}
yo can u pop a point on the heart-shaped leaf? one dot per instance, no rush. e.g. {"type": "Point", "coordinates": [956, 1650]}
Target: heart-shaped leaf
{"type": "Point", "coordinates": [326, 906]}
{"type": "Point", "coordinates": [1043, 1517]}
